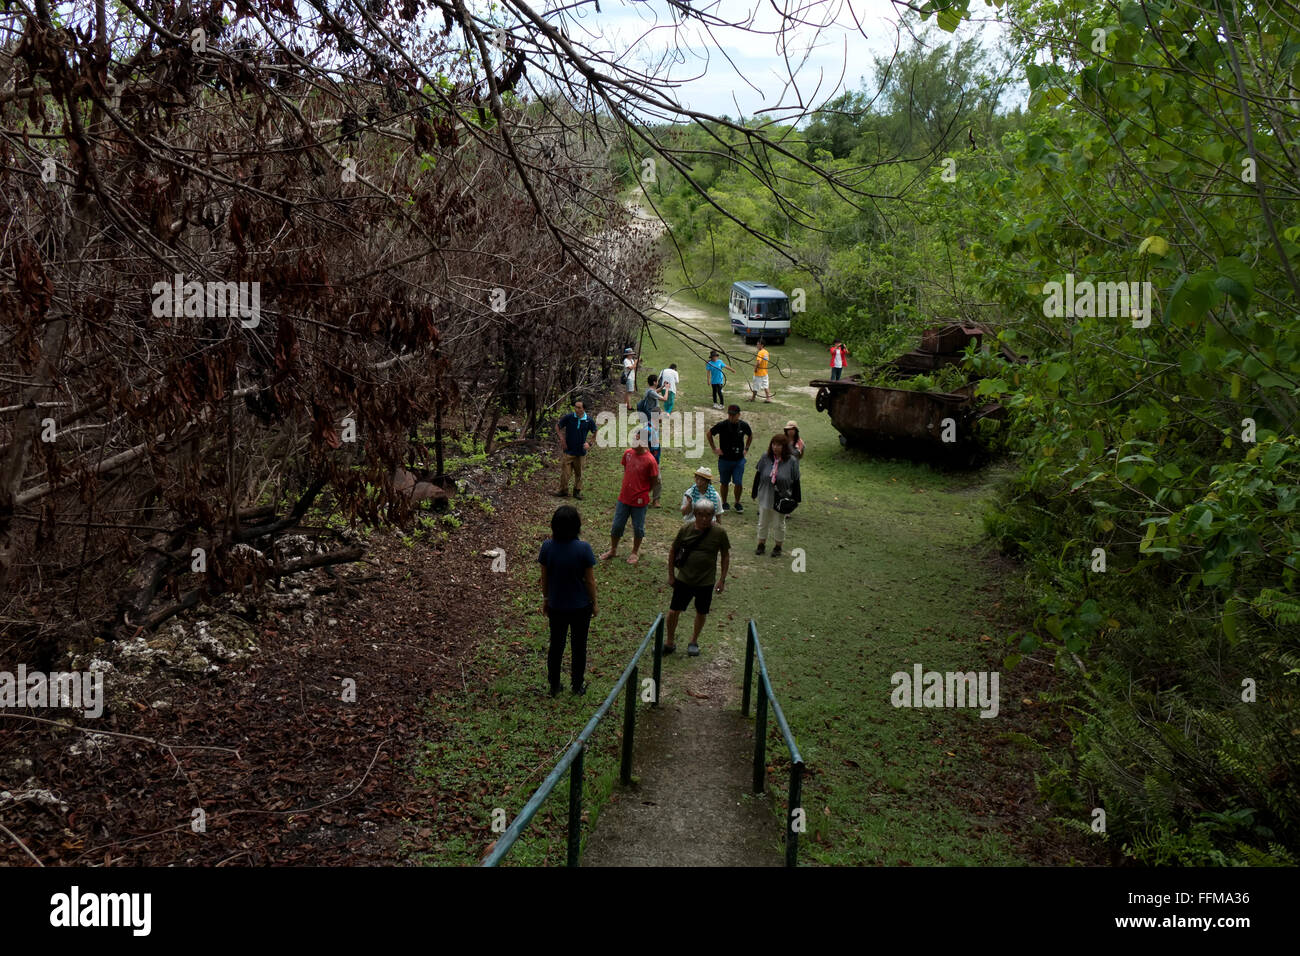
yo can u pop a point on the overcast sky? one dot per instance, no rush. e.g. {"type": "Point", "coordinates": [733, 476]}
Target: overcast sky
{"type": "Point", "coordinates": [734, 71]}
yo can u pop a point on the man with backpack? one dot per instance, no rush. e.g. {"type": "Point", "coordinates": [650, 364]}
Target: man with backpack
{"type": "Point", "coordinates": [735, 437]}
{"type": "Point", "coordinates": [655, 393]}
{"type": "Point", "coordinates": [693, 571]}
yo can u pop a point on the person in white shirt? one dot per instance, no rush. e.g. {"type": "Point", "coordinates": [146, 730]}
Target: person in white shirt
{"type": "Point", "coordinates": [669, 378]}
{"type": "Point", "coordinates": [839, 359]}
{"type": "Point", "coordinates": [629, 378]}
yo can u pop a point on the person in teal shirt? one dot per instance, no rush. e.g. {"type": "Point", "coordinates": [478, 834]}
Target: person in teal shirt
{"type": "Point", "coordinates": [716, 367]}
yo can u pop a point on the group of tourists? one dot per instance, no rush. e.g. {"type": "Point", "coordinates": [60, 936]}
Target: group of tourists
{"type": "Point", "coordinates": [664, 386]}
{"type": "Point", "coordinates": [568, 577]}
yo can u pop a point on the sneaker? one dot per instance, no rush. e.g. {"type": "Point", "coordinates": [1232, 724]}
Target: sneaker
{"type": "Point", "coordinates": [693, 649]}
{"type": "Point", "coordinates": [580, 689]}
{"type": "Point", "coordinates": [669, 648]}
{"type": "Point", "coordinates": [761, 547]}
{"type": "Point", "coordinates": [725, 507]}
{"type": "Point", "coordinates": [776, 552]}
{"type": "Point", "coordinates": [562, 494]}
{"type": "Point", "coordinates": [577, 495]}
{"type": "Point", "coordinates": [740, 509]}
{"type": "Point", "coordinates": [555, 690]}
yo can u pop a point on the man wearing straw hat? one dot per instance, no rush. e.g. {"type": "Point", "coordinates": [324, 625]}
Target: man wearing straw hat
{"type": "Point", "coordinates": [702, 490]}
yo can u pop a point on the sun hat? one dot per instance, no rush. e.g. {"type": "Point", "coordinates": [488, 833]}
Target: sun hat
{"type": "Point", "coordinates": [704, 473]}
{"type": "Point", "coordinates": [791, 424]}
{"type": "Point", "coordinates": [625, 351]}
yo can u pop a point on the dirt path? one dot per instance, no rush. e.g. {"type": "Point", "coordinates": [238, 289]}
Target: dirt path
{"type": "Point", "coordinates": [690, 802]}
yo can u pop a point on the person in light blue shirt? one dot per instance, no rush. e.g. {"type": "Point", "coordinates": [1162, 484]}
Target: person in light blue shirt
{"type": "Point", "coordinates": [716, 367]}
{"type": "Point", "coordinates": [652, 439]}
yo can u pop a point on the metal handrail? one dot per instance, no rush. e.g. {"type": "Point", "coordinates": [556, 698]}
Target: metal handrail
{"type": "Point", "coordinates": [794, 817]}
{"type": "Point", "coordinates": [573, 756]}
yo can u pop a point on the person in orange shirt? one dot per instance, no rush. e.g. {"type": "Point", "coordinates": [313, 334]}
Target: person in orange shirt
{"type": "Point", "coordinates": [761, 363]}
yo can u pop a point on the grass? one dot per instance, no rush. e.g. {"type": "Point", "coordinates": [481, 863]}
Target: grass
{"type": "Point", "coordinates": [496, 741]}
{"type": "Point", "coordinates": [893, 577]}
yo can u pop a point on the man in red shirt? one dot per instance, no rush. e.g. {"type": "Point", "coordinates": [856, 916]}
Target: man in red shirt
{"type": "Point", "coordinates": [640, 479]}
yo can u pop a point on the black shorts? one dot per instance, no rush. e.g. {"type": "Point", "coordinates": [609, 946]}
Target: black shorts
{"type": "Point", "coordinates": [682, 594]}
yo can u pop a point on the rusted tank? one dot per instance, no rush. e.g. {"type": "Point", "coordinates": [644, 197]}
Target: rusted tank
{"type": "Point", "coordinates": [951, 338]}
{"type": "Point", "coordinates": [907, 423]}
{"type": "Point", "coordinates": [941, 346]}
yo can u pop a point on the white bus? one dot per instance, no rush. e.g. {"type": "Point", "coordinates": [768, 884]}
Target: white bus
{"type": "Point", "coordinates": [758, 310]}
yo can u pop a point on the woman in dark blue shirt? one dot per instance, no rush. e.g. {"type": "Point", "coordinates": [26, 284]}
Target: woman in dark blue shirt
{"type": "Point", "coordinates": [568, 594]}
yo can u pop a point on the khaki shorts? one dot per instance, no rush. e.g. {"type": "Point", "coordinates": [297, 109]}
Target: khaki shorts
{"type": "Point", "coordinates": [760, 383]}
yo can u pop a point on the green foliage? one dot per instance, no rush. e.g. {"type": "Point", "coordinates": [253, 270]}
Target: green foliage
{"type": "Point", "coordinates": [523, 467]}
{"type": "Point", "coordinates": [861, 249]}
{"type": "Point", "coordinates": [1168, 444]}
{"type": "Point", "coordinates": [478, 501]}
{"type": "Point", "coordinates": [1161, 431]}
{"type": "Point", "coordinates": [946, 379]}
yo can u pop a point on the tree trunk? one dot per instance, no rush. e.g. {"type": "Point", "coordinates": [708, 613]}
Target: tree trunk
{"type": "Point", "coordinates": [437, 438]}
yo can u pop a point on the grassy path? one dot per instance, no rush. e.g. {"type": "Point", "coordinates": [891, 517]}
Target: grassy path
{"type": "Point", "coordinates": [893, 575]}
{"type": "Point", "coordinates": [690, 804]}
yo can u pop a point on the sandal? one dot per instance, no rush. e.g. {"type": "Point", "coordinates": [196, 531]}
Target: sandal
{"type": "Point", "coordinates": [693, 649]}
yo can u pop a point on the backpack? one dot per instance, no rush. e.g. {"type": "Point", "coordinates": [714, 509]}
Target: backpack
{"type": "Point", "coordinates": [644, 408]}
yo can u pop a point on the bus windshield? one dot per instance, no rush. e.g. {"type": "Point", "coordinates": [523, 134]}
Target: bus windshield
{"type": "Point", "coordinates": [769, 308]}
